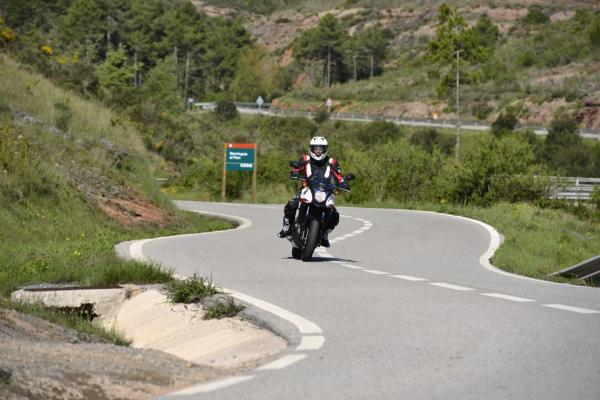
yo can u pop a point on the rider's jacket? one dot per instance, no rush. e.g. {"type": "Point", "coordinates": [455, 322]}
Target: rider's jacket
{"type": "Point", "coordinates": [308, 166]}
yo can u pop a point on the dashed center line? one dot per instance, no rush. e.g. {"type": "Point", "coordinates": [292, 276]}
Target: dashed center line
{"type": "Point", "coordinates": [572, 309]}
{"type": "Point", "coordinates": [368, 225]}
{"type": "Point", "coordinates": [352, 266]}
{"type": "Point", "coordinates": [507, 297]}
{"type": "Point", "coordinates": [375, 272]}
{"type": "Point", "coordinates": [451, 286]}
{"type": "Point", "coordinates": [409, 278]}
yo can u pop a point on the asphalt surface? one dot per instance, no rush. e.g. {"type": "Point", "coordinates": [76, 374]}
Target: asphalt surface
{"type": "Point", "coordinates": [420, 319]}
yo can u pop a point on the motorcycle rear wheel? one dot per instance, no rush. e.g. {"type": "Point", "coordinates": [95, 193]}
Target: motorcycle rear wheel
{"type": "Point", "coordinates": [311, 240]}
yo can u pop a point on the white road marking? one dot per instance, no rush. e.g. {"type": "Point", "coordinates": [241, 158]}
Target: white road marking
{"type": "Point", "coordinates": [135, 250]}
{"type": "Point", "coordinates": [283, 362]}
{"type": "Point", "coordinates": [211, 387]}
{"type": "Point", "coordinates": [311, 343]}
{"type": "Point", "coordinates": [352, 266]}
{"type": "Point", "coordinates": [304, 326]}
{"type": "Point", "coordinates": [495, 241]}
{"type": "Point", "coordinates": [507, 297]}
{"type": "Point", "coordinates": [572, 309]}
{"type": "Point", "coordinates": [409, 278]}
{"type": "Point", "coordinates": [375, 272]}
{"type": "Point", "coordinates": [451, 286]}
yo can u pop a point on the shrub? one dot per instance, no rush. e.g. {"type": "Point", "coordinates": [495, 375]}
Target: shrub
{"type": "Point", "coordinates": [505, 123]}
{"type": "Point", "coordinates": [321, 116]}
{"type": "Point", "coordinates": [64, 113]}
{"type": "Point", "coordinates": [486, 166]}
{"type": "Point", "coordinates": [481, 110]}
{"type": "Point", "coordinates": [595, 198]}
{"type": "Point", "coordinates": [377, 132]}
{"type": "Point", "coordinates": [226, 111]}
{"type": "Point", "coordinates": [535, 16]}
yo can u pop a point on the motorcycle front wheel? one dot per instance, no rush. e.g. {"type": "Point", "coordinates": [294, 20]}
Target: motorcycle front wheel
{"type": "Point", "coordinates": [297, 253]}
{"type": "Point", "coordinates": [311, 240]}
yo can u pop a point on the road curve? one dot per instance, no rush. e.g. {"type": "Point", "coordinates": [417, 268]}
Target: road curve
{"type": "Point", "coordinates": [405, 309]}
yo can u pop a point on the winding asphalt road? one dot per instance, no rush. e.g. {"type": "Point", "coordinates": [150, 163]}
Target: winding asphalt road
{"type": "Point", "coordinates": [400, 307]}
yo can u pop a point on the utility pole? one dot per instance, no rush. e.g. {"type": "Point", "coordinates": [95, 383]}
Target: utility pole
{"type": "Point", "coordinates": [186, 83]}
{"type": "Point", "coordinates": [176, 64]}
{"type": "Point", "coordinates": [328, 66]}
{"type": "Point", "coordinates": [457, 104]}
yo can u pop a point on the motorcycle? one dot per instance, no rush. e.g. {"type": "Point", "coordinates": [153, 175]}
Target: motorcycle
{"type": "Point", "coordinates": [317, 200]}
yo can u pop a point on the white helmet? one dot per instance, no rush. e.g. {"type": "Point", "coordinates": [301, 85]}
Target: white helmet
{"type": "Point", "coordinates": [318, 148]}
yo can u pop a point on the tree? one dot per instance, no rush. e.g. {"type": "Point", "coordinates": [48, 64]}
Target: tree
{"type": "Point", "coordinates": [160, 86]}
{"type": "Point", "coordinates": [374, 41]}
{"type": "Point", "coordinates": [258, 74]}
{"type": "Point", "coordinates": [505, 123]}
{"type": "Point", "coordinates": [452, 35]}
{"type": "Point", "coordinates": [83, 26]}
{"type": "Point", "coordinates": [486, 32]}
{"type": "Point", "coordinates": [324, 42]}
{"type": "Point", "coordinates": [115, 75]}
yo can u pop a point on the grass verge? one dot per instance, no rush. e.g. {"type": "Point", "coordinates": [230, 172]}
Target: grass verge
{"type": "Point", "coordinates": [78, 320]}
{"type": "Point", "coordinates": [537, 241]}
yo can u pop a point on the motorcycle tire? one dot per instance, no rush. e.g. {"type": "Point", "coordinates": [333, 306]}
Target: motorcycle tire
{"type": "Point", "coordinates": [311, 240]}
{"type": "Point", "coordinates": [297, 253]}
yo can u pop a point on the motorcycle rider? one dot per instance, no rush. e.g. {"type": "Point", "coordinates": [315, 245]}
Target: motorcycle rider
{"type": "Point", "coordinates": [315, 160]}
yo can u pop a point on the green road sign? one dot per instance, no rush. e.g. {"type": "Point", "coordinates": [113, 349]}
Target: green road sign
{"type": "Point", "coordinates": [239, 157]}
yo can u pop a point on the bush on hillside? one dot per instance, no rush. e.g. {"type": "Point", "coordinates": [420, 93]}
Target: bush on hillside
{"type": "Point", "coordinates": [226, 111]}
{"type": "Point", "coordinates": [505, 123]}
{"type": "Point", "coordinates": [535, 16]}
{"type": "Point", "coordinates": [487, 171]}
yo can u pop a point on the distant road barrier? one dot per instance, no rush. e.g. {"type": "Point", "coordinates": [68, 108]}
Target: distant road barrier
{"type": "Point", "coordinates": [268, 109]}
{"type": "Point", "coordinates": [574, 188]}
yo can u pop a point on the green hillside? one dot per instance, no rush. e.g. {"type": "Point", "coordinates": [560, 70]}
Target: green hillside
{"type": "Point", "coordinates": [75, 179]}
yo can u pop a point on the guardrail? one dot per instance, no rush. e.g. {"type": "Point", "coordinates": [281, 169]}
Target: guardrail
{"type": "Point", "coordinates": [574, 188]}
{"type": "Point", "coordinates": [588, 271]}
{"type": "Point", "coordinates": [267, 108]}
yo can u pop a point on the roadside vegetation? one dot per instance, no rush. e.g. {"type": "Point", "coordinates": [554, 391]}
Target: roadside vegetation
{"type": "Point", "coordinates": [79, 320]}
{"type": "Point", "coordinates": [191, 290]}
{"type": "Point", "coordinates": [197, 289]}
{"type": "Point", "coordinates": [75, 179]}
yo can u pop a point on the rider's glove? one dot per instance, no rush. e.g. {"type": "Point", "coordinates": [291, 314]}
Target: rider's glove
{"type": "Point", "coordinates": [294, 175]}
{"type": "Point", "coordinates": [344, 185]}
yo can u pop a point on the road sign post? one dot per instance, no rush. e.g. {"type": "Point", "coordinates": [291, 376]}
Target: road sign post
{"type": "Point", "coordinates": [239, 157]}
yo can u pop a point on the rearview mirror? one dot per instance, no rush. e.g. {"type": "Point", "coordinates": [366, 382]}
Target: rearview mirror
{"type": "Point", "coordinates": [349, 177]}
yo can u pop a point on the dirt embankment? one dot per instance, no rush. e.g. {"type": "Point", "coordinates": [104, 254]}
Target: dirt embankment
{"type": "Point", "coordinates": [44, 361]}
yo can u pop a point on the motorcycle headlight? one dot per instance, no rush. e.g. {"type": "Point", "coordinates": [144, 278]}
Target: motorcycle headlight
{"type": "Point", "coordinates": [320, 196]}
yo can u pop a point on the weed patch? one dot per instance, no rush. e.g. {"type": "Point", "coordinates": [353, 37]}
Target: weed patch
{"type": "Point", "coordinates": [226, 308]}
{"type": "Point", "coordinates": [191, 290]}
